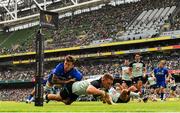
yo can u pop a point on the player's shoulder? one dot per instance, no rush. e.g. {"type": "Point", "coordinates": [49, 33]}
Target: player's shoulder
{"type": "Point", "coordinates": [165, 68]}
{"type": "Point", "coordinates": [96, 82]}
{"type": "Point", "coordinates": [75, 70]}
{"type": "Point", "coordinates": [155, 68]}
{"type": "Point", "coordinates": [60, 65]}
{"type": "Point", "coordinates": [133, 62]}
{"type": "Point", "coordinates": [142, 62]}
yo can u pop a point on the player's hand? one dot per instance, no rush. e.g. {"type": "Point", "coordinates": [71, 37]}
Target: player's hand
{"type": "Point", "coordinates": [108, 99]}
{"type": "Point", "coordinates": [144, 76]}
{"type": "Point", "coordinates": [71, 80]}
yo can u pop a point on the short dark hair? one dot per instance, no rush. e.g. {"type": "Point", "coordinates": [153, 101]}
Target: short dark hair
{"type": "Point", "coordinates": [137, 54]}
{"type": "Point", "coordinates": [70, 58]}
{"type": "Point", "coordinates": [126, 60]}
{"type": "Point", "coordinates": [108, 76]}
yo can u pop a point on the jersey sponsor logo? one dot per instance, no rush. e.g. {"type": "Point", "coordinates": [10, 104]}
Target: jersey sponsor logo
{"type": "Point", "coordinates": [160, 72]}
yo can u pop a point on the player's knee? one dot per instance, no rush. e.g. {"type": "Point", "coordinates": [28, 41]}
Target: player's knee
{"type": "Point", "coordinates": [47, 89]}
{"type": "Point", "coordinates": [68, 102]}
{"type": "Point", "coordinates": [132, 88]}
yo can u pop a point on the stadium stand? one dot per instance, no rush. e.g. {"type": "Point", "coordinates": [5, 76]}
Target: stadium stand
{"type": "Point", "coordinates": [107, 24]}
{"type": "Point", "coordinates": [93, 67]}
{"type": "Point", "coordinates": [14, 94]}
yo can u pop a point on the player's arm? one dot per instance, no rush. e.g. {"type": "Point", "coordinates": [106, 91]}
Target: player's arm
{"type": "Point", "coordinates": [152, 74]}
{"type": "Point", "coordinates": [56, 76]}
{"type": "Point", "coordinates": [94, 91]}
{"type": "Point", "coordinates": [146, 84]}
{"type": "Point", "coordinates": [120, 71]}
{"type": "Point", "coordinates": [56, 80]}
{"type": "Point", "coordinates": [108, 99]}
{"type": "Point", "coordinates": [130, 70]}
{"type": "Point", "coordinates": [144, 70]}
{"type": "Point", "coordinates": [167, 76]}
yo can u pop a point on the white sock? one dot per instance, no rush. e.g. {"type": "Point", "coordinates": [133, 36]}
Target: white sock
{"type": "Point", "coordinates": [31, 99]}
{"type": "Point", "coordinates": [164, 96]}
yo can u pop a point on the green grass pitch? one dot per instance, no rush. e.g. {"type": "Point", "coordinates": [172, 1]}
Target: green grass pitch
{"type": "Point", "coordinates": [167, 106]}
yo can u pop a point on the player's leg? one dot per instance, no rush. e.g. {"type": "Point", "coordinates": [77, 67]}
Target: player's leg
{"type": "Point", "coordinates": [135, 93]}
{"type": "Point", "coordinates": [133, 89]}
{"type": "Point", "coordinates": [124, 97]}
{"type": "Point", "coordinates": [56, 97]}
{"type": "Point", "coordinates": [136, 83]}
{"type": "Point", "coordinates": [173, 91]}
{"type": "Point", "coordinates": [30, 97]}
{"type": "Point", "coordinates": [137, 89]}
{"type": "Point", "coordinates": [163, 91]}
{"type": "Point", "coordinates": [119, 86]}
{"type": "Point", "coordinates": [139, 85]}
{"type": "Point", "coordinates": [124, 85]}
{"type": "Point", "coordinates": [48, 87]}
{"type": "Point", "coordinates": [157, 90]}
{"type": "Point", "coordinates": [64, 96]}
{"type": "Point", "coordinates": [154, 93]}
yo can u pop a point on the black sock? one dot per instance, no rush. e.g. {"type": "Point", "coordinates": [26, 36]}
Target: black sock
{"type": "Point", "coordinates": [162, 94]}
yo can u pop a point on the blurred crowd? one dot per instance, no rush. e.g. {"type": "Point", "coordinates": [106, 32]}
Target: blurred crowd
{"type": "Point", "coordinates": [113, 65]}
{"type": "Point", "coordinates": [19, 75]}
{"type": "Point", "coordinates": [105, 23]}
{"type": "Point", "coordinates": [14, 94]}
{"type": "Point", "coordinates": [96, 67]}
{"type": "Point", "coordinates": [16, 75]}
{"type": "Point", "coordinates": [175, 22]}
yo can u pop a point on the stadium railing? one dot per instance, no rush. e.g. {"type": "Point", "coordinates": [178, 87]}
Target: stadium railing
{"type": "Point", "coordinates": [105, 54]}
{"type": "Point", "coordinates": [97, 46]}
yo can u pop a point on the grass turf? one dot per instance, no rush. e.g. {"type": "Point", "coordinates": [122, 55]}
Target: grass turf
{"type": "Point", "coordinates": [168, 106]}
